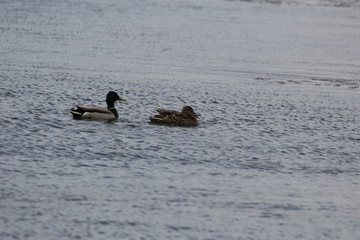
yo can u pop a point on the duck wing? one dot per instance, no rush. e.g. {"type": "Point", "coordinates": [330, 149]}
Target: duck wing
{"type": "Point", "coordinates": [164, 119]}
{"type": "Point", "coordinates": [97, 109]}
{"type": "Point", "coordinates": [174, 120]}
{"type": "Point", "coordinates": [164, 111]}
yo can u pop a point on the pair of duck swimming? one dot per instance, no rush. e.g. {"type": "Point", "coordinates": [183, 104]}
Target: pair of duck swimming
{"type": "Point", "coordinates": [186, 118]}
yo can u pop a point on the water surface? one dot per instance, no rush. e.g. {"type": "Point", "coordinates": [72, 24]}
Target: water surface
{"type": "Point", "coordinates": [276, 154]}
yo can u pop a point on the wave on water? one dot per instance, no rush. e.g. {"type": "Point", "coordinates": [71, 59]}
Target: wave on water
{"type": "Point", "coordinates": [334, 3]}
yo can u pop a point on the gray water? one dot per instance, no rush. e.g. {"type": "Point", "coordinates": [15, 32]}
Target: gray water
{"type": "Point", "coordinates": [276, 154]}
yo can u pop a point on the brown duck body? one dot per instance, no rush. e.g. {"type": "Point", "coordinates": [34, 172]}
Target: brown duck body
{"type": "Point", "coordinates": [186, 118]}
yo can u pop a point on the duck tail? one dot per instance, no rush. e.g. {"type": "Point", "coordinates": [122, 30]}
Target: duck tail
{"type": "Point", "coordinates": [76, 113]}
{"type": "Point", "coordinates": [154, 119]}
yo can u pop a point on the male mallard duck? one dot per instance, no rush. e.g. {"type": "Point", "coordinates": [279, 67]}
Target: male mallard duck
{"type": "Point", "coordinates": [186, 118]}
{"type": "Point", "coordinates": [98, 113]}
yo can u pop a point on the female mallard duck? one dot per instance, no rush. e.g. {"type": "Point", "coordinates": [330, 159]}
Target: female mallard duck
{"type": "Point", "coordinates": [98, 113]}
{"type": "Point", "coordinates": [186, 118]}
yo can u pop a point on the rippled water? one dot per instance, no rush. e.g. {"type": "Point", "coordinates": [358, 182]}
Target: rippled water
{"type": "Point", "coordinates": [276, 154]}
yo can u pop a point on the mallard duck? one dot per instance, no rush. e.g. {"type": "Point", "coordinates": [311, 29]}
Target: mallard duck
{"type": "Point", "coordinates": [186, 118]}
{"type": "Point", "coordinates": [98, 113]}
